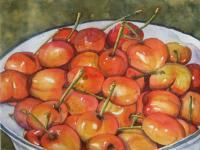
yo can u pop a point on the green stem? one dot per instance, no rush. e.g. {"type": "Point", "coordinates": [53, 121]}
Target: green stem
{"type": "Point", "coordinates": [121, 29]}
{"type": "Point", "coordinates": [122, 18]}
{"type": "Point", "coordinates": [75, 26]}
{"type": "Point", "coordinates": [78, 75]}
{"type": "Point", "coordinates": [112, 87]}
{"type": "Point", "coordinates": [48, 119]}
{"type": "Point", "coordinates": [176, 55]}
{"type": "Point", "coordinates": [151, 18]}
{"type": "Point", "coordinates": [148, 74]}
{"type": "Point", "coordinates": [86, 92]}
{"type": "Point", "coordinates": [190, 108]}
{"type": "Point", "coordinates": [128, 128]}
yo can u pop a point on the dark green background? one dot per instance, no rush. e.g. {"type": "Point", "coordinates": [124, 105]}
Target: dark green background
{"type": "Point", "coordinates": [20, 19]}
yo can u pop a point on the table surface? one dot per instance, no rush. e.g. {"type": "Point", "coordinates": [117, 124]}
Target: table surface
{"type": "Point", "coordinates": [21, 19]}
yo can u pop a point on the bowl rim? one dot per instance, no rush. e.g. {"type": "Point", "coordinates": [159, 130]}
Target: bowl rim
{"type": "Point", "coordinates": [15, 138]}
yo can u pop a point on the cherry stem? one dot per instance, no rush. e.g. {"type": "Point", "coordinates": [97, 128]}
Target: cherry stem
{"type": "Point", "coordinates": [48, 118]}
{"type": "Point", "coordinates": [128, 128]}
{"type": "Point", "coordinates": [78, 75]}
{"type": "Point", "coordinates": [148, 74]}
{"type": "Point", "coordinates": [88, 93]}
{"type": "Point", "coordinates": [176, 55]}
{"type": "Point", "coordinates": [150, 19]}
{"type": "Point", "coordinates": [122, 18]}
{"type": "Point", "coordinates": [75, 26]}
{"type": "Point", "coordinates": [190, 108]}
{"type": "Point", "coordinates": [121, 29]}
{"type": "Point", "coordinates": [112, 87]}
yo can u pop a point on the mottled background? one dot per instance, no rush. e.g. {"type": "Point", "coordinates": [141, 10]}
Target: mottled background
{"type": "Point", "coordinates": [20, 19]}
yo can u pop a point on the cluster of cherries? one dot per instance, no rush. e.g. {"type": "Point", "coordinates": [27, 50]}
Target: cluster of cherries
{"type": "Point", "coordinates": [92, 90]}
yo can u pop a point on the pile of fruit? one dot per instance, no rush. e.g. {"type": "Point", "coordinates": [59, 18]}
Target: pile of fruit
{"type": "Point", "coordinates": [97, 90]}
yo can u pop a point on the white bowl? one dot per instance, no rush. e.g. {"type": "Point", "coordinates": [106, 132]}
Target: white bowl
{"type": "Point", "coordinates": [32, 44]}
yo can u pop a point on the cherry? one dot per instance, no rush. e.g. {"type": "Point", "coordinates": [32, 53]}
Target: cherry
{"type": "Point", "coordinates": [136, 139]}
{"type": "Point", "coordinates": [113, 65]}
{"type": "Point", "coordinates": [63, 33]}
{"type": "Point", "coordinates": [113, 62]}
{"type": "Point", "coordinates": [163, 129]}
{"type": "Point", "coordinates": [161, 101]}
{"type": "Point", "coordinates": [27, 104]}
{"type": "Point", "coordinates": [178, 53]}
{"type": "Point", "coordinates": [79, 103]}
{"type": "Point", "coordinates": [48, 84]}
{"type": "Point", "coordinates": [13, 86]}
{"type": "Point", "coordinates": [190, 107]}
{"type": "Point", "coordinates": [105, 142]}
{"type": "Point", "coordinates": [126, 92]}
{"type": "Point", "coordinates": [67, 34]}
{"type": "Point", "coordinates": [89, 81]}
{"type": "Point", "coordinates": [195, 71]}
{"type": "Point", "coordinates": [148, 56]}
{"type": "Point", "coordinates": [34, 136]}
{"type": "Point", "coordinates": [55, 54]}
{"type": "Point", "coordinates": [24, 62]}
{"type": "Point", "coordinates": [92, 39]}
{"type": "Point", "coordinates": [85, 59]}
{"type": "Point", "coordinates": [64, 138]}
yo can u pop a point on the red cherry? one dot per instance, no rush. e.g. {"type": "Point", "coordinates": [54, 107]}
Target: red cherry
{"type": "Point", "coordinates": [90, 124]}
{"type": "Point", "coordinates": [63, 33]}
{"type": "Point", "coordinates": [85, 59]}
{"type": "Point", "coordinates": [68, 34]}
{"type": "Point", "coordinates": [24, 62]}
{"type": "Point", "coordinates": [113, 65]}
{"type": "Point", "coordinates": [61, 137]}
{"type": "Point", "coordinates": [112, 34]}
{"type": "Point", "coordinates": [90, 39]}
{"type": "Point", "coordinates": [13, 86]}
{"type": "Point", "coordinates": [126, 92]}
{"type": "Point", "coordinates": [89, 81]}
{"type": "Point", "coordinates": [79, 103]}
{"type": "Point", "coordinates": [55, 53]}
{"type": "Point", "coordinates": [48, 84]}
{"type": "Point", "coordinates": [195, 70]}
{"type": "Point", "coordinates": [105, 142]}
{"type": "Point", "coordinates": [34, 136]}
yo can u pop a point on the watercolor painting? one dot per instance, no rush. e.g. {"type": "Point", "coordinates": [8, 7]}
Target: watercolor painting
{"type": "Point", "coordinates": [75, 74]}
